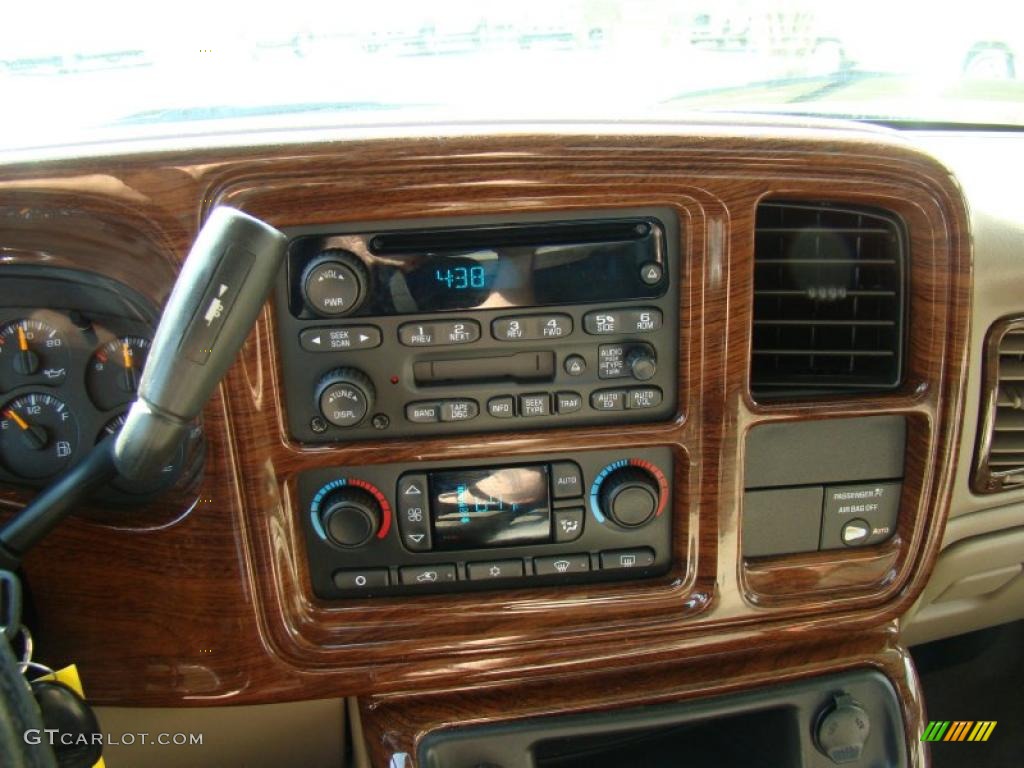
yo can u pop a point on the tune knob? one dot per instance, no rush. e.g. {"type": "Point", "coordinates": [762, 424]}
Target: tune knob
{"type": "Point", "coordinates": [344, 396]}
{"type": "Point", "coordinates": [642, 363]}
{"type": "Point", "coordinates": [334, 283]}
{"type": "Point", "coordinates": [629, 496]}
{"type": "Point", "coordinates": [350, 516]}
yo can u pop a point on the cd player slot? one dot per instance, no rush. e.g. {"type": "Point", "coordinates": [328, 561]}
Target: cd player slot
{"type": "Point", "coordinates": [519, 367]}
{"type": "Point", "coordinates": [568, 233]}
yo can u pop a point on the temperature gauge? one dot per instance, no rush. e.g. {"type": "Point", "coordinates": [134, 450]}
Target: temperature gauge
{"type": "Point", "coordinates": [114, 371]}
{"type": "Point", "coordinates": [32, 352]}
{"type": "Point", "coordinates": [38, 435]}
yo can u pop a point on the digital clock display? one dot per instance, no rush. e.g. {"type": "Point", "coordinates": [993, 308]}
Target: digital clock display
{"type": "Point", "coordinates": [490, 507]}
{"type": "Point", "coordinates": [461, 278]}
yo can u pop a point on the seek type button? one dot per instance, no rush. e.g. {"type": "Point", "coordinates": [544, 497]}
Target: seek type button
{"type": "Point", "coordinates": [413, 514]}
{"type": "Point", "coordinates": [859, 515]}
{"type": "Point", "coordinates": [536, 404]}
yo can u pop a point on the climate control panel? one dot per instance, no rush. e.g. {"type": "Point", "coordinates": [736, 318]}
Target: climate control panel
{"type": "Point", "coordinates": [537, 521]}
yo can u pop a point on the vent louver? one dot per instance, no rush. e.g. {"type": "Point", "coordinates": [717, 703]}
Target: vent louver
{"type": "Point", "coordinates": [829, 288]}
{"type": "Point", "coordinates": [1000, 464]}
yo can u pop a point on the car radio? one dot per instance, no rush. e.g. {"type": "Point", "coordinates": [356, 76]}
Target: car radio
{"type": "Point", "coordinates": [422, 331]}
{"type": "Point", "coordinates": [540, 520]}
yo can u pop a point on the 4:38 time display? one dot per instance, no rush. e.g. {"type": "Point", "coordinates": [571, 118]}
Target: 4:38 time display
{"type": "Point", "coordinates": [461, 278]}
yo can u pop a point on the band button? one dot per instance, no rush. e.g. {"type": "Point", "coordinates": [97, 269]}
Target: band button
{"type": "Point", "coordinates": [423, 413]}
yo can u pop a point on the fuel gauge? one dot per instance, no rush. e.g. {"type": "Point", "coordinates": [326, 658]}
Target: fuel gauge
{"type": "Point", "coordinates": [38, 435]}
{"type": "Point", "coordinates": [112, 377]}
{"type": "Point", "coordinates": [32, 352]}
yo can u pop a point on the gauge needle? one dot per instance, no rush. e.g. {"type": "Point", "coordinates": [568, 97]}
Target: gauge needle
{"type": "Point", "coordinates": [35, 437]}
{"type": "Point", "coordinates": [27, 361]}
{"type": "Point", "coordinates": [130, 382]}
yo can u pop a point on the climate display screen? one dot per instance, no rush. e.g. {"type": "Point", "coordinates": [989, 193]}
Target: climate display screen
{"type": "Point", "coordinates": [490, 507]}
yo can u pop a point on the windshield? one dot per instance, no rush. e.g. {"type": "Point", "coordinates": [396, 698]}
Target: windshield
{"type": "Point", "coordinates": [73, 72]}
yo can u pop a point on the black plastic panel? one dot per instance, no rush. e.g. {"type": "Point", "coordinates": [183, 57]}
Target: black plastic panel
{"type": "Point", "coordinates": [770, 727]}
{"type": "Point", "coordinates": [548, 289]}
{"type": "Point", "coordinates": [628, 553]}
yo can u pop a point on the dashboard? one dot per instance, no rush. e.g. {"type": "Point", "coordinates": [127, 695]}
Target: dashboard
{"type": "Point", "coordinates": [536, 421]}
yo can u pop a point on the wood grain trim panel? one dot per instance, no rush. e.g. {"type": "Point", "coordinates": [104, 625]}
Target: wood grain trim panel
{"type": "Point", "coordinates": [217, 607]}
{"type": "Point", "coordinates": [394, 726]}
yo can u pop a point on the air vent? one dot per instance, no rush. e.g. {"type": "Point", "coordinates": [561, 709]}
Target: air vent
{"type": "Point", "coordinates": [1000, 464]}
{"type": "Point", "coordinates": [829, 286]}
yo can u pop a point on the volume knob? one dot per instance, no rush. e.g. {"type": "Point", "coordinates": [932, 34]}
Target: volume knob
{"type": "Point", "coordinates": [334, 283]}
{"type": "Point", "coordinates": [344, 396]}
{"type": "Point", "coordinates": [629, 496]}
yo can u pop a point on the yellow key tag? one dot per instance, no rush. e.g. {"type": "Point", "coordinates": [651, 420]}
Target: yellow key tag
{"type": "Point", "coordinates": [69, 676]}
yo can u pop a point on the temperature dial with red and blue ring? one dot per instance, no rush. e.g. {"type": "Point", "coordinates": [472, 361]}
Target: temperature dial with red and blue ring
{"type": "Point", "coordinates": [349, 512]}
{"type": "Point", "coordinates": [629, 492]}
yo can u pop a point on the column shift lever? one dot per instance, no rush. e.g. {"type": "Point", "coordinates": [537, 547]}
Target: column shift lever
{"type": "Point", "coordinates": [216, 299]}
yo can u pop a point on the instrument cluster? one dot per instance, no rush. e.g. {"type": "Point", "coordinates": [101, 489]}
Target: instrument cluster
{"type": "Point", "coordinates": [67, 378]}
